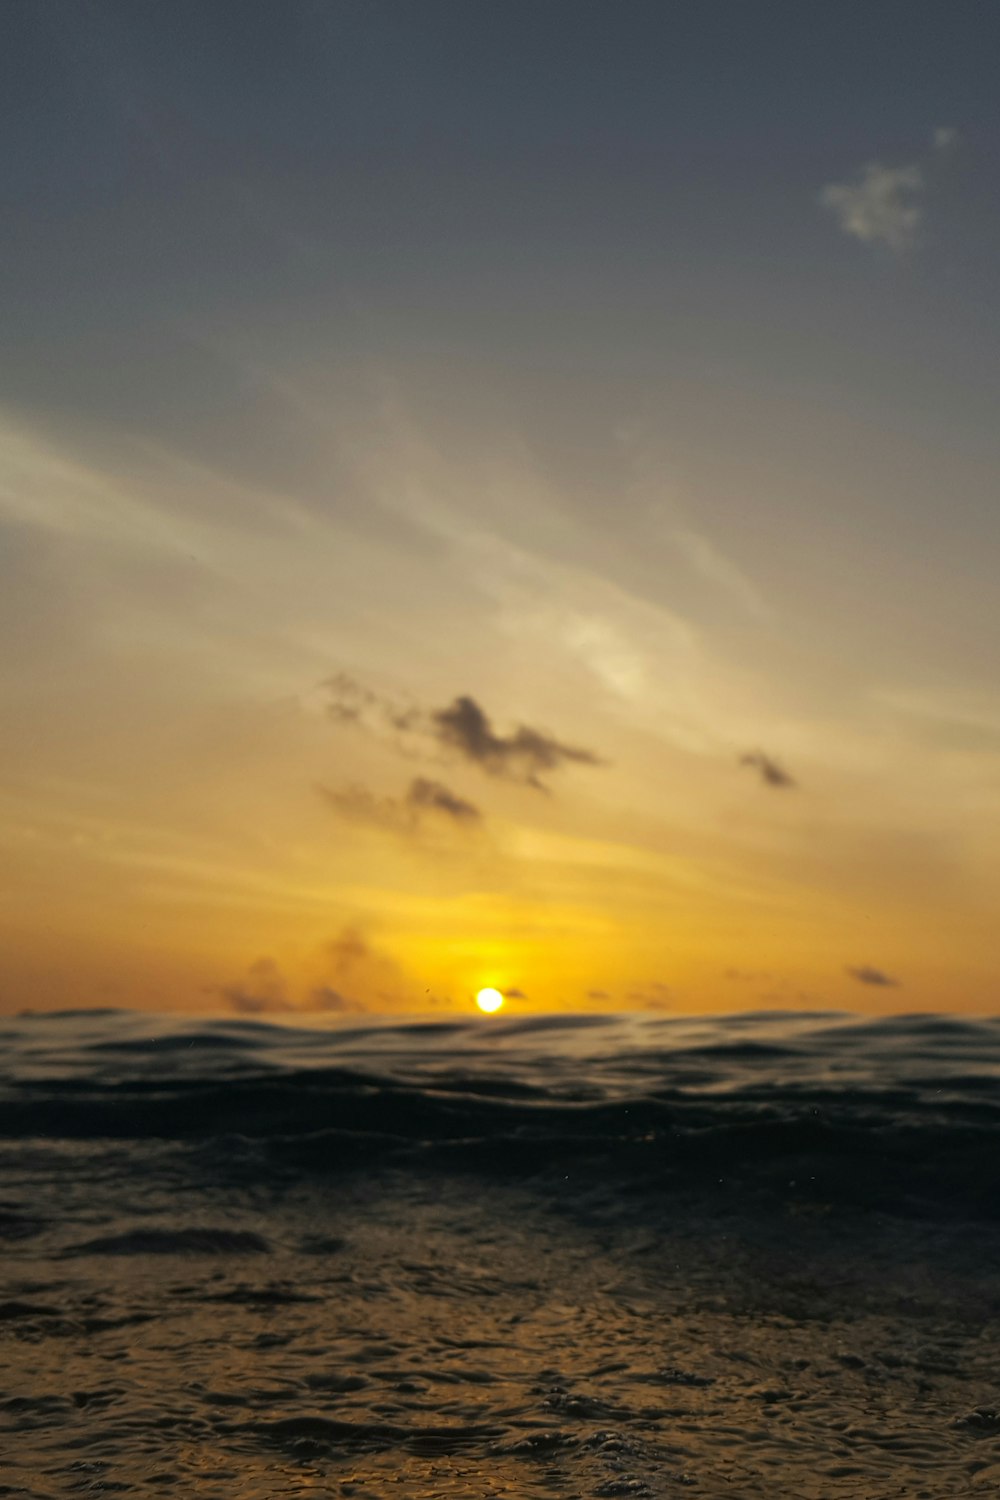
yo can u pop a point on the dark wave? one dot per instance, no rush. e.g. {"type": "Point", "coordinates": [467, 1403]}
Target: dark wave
{"type": "Point", "coordinates": [900, 1114]}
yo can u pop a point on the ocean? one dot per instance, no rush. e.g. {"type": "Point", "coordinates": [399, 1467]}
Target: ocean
{"type": "Point", "coordinates": [553, 1256]}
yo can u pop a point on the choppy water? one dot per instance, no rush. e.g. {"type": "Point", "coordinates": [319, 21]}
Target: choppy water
{"type": "Point", "coordinates": [562, 1256]}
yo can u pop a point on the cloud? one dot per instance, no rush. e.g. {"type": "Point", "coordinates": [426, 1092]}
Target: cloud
{"type": "Point", "coordinates": [347, 949]}
{"type": "Point", "coordinates": [463, 726]}
{"type": "Point", "coordinates": [772, 774]}
{"type": "Point", "coordinates": [347, 976]}
{"type": "Point", "coordinates": [866, 974]}
{"type": "Point", "coordinates": [354, 965]}
{"type": "Point", "coordinates": [514, 995]}
{"type": "Point", "coordinates": [881, 206]}
{"type": "Point", "coordinates": [401, 815]}
{"type": "Point", "coordinates": [598, 995]}
{"type": "Point", "coordinates": [884, 205]}
{"type": "Point", "coordinates": [432, 796]}
{"type": "Point", "coordinates": [356, 804]}
{"type": "Point", "coordinates": [325, 998]}
{"type": "Point", "coordinates": [520, 756]}
{"type": "Point", "coordinates": [653, 996]}
{"type": "Point", "coordinates": [350, 702]}
{"type": "Point", "coordinates": [263, 991]}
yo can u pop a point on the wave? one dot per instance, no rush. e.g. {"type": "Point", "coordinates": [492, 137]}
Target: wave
{"type": "Point", "coordinates": [900, 1113]}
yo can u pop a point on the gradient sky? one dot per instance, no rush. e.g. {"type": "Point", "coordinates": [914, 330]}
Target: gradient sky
{"type": "Point", "coordinates": [499, 494]}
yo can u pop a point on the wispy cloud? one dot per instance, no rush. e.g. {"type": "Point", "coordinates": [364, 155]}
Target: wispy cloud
{"type": "Point", "coordinates": [712, 565]}
{"type": "Point", "coordinates": [867, 974]}
{"type": "Point", "coordinates": [880, 206]}
{"type": "Point", "coordinates": [402, 815]}
{"type": "Point", "coordinates": [432, 796]}
{"type": "Point", "coordinates": [883, 205]}
{"type": "Point", "coordinates": [351, 702]}
{"type": "Point", "coordinates": [771, 773]}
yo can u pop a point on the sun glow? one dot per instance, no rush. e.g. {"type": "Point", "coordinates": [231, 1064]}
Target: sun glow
{"type": "Point", "coordinates": [489, 1000]}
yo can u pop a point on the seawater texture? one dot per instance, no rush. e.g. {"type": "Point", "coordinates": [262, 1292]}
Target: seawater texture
{"type": "Point", "coordinates": [557, 1257]}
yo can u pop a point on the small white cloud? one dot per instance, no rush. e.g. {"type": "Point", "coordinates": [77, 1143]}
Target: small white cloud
{"type": "Point", "coordinates": [945, 137]}
{"type": "Point", "coordinates": [880, 207]}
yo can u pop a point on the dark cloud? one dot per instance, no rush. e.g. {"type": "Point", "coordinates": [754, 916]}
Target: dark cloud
{"type": "Point", "coordinates": [523, 756]}
{"type": "Point", "coordinates": [402, 815]}
{"type": "Point", "coordinates": [771, 773]}
{"type": "Point", "coordinates": [433, 797]}
{"type": "Point", "coordinates": [598, 995]}
{"type": "Point", "coordinates": [520, 756]}
{"type": "Point", "coordinates": [867, 974]}
{"type": "Point", "coordinates": [514, 995]}
{"type": "Point", "coordinates": [350, 702]}
{"type": "Point", "coordinates": [348, 699]}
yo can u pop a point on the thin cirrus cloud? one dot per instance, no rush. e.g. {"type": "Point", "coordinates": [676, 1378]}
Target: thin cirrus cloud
{"type": "Point", "coordinates": [884, 205]}
{"type": "Point", "coordinates": [705, 559]}
{"type": "Point", "coordinates": [463, 727]}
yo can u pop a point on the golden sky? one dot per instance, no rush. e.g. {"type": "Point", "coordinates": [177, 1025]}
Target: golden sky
{"type": "Point", "coordinates": [566, 565]}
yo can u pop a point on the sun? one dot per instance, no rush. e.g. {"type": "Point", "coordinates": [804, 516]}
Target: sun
{"type": "Point", "coordinates": [489, 1000]}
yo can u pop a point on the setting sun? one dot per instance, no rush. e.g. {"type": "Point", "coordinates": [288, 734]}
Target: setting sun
{"type": "Point", "coordinates": [489, 1000]}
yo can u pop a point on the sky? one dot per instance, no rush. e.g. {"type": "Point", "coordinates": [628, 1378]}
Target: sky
{"type": "Point", "coordinates": [499, 494]}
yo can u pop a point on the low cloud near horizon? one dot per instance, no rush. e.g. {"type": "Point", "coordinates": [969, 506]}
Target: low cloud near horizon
{"type": "Point", "coordinates": [348, 975]}
{"type": "Point", "coordinates": [262, 991]}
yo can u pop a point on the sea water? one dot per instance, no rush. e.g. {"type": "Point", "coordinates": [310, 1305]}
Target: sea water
{"type": "Point", "coordinates": [562, 1256]}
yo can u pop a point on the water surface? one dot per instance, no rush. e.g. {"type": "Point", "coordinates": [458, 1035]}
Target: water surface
{"type": "Point", "coordinates": [561, 1256]}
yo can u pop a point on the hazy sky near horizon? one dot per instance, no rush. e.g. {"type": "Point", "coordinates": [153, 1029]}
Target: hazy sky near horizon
{"type": "Point", "coordinates": [499, 494]}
